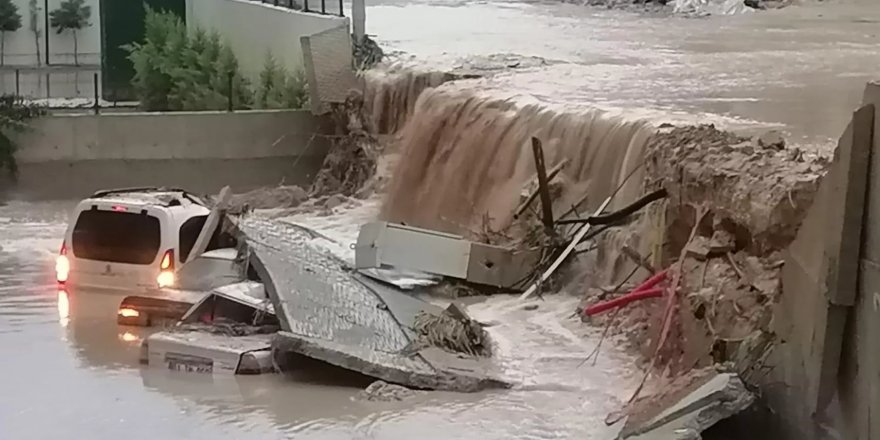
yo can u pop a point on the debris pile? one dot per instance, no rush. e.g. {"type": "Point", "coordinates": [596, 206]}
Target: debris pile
{"type": "Point", "coordinates": [457, 334]}
{"type": "Point", "coordinates": [353, 157]}
{"type": "Point", "coordinates": [381, 391]}
{"type": "Point", "coordinates": [366, 52]}
{"type": "Point", "coordinates": [281, 196]}
{"type": "Point", "coordinates": [699, 400]}
{"type": "Point", "coordinates": [733, 205]}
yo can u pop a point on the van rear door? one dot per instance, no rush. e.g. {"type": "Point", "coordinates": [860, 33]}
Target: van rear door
{"type": "Point", "coordinates": [116, 248]}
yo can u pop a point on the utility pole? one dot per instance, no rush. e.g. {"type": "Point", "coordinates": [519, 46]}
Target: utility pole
{"type": "Point", "coordinates": [46, 28]}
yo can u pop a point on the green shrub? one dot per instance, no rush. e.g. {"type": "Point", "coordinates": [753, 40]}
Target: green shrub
{"type": "Point", "coordinates": [178, 71]}
{"type": "Point", "coordinates": [280, 90]}
{"type": "Point", "coordinates": [14, 116]}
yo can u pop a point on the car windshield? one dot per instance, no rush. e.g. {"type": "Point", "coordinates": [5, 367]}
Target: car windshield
{"type": "Point", "coordinates": [118, 237]}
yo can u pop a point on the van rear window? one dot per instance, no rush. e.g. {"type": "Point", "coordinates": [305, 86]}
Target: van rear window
{"type": "Point", "coordinates": [117, 237]}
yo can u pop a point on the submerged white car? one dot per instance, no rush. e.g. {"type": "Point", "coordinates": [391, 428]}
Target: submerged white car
{"type": "Point", "coordinates": [131, 239]}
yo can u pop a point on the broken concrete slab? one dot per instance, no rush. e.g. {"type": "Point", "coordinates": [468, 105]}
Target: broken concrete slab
{"type": "Point", "coordinates": [705, 403]}
{"type": "Point", "coordinates": [333, 314]}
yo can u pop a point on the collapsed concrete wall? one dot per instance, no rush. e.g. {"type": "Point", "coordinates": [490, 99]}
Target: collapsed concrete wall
{"type": "Point", "coordinates": [254, 28]}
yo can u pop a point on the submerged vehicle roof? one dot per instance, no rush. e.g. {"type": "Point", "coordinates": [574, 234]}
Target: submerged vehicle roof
{"type": "Point", "coordinates": [154, 196]}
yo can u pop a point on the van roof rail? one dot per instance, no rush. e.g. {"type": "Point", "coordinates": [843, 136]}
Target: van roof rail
{"type": "Point", "coordinates": [150, 189]}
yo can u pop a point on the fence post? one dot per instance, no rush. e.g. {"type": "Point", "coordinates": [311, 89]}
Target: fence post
{"type": "Point", "coordinates": [306, 5]}
{"type": "Point", "coordinates": [229, 106]}
{"type": "Point", "coordinates": [290, 4]}
{"type": "Point", "coordinates": [276, 2]}
{"type": "Point", "coordinates": [341, 11]}
{"type": "Point", "coordinates": [324, 7]}
{"type": "Point", "coordinates": [48, 87]}
{"type": "Point", "coordinates": [17, 82]}
{"type": "Point", "coordinates": [96, 105]}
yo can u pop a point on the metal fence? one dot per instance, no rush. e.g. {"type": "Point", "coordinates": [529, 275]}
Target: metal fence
{"type": "Point", "coordinates": [323, 7]}
{"type": "Point", "coordinates": [74, 88]}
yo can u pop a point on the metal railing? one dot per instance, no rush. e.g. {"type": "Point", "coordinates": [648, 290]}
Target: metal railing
{"type": "Point", "coordinates": [294, 5]}
{"type": "Point", "coordinates": [69, 89]}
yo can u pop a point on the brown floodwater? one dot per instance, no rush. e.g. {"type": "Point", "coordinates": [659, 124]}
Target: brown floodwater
{"type": "Point", "coordinates": [68, 371]}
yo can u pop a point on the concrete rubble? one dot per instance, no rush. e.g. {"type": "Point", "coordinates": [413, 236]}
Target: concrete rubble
{"type": "Point", "coordinates": [691, 410]}
{"type": "Point", "coordinates": [381, 391]}
{"type": "Point", "coordinates": [333, 314]}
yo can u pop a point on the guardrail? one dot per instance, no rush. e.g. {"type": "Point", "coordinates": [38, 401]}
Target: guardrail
{"type": "Point", "coordinates": [294, 5]}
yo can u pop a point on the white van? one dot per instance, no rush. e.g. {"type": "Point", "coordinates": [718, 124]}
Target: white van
{"type": "Point", "coordinates": [130, 238]}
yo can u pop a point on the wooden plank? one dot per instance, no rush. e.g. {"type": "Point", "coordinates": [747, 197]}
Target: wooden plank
{"type": "Point", "coordinates": [543, 186]}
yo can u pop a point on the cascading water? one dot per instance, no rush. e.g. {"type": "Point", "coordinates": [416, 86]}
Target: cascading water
{"type": "Point", "coordinates": [465, 156]}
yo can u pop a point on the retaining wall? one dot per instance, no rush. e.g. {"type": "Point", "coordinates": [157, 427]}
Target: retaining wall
{"type": "Point", "coordinates": [69, 156]}
{"type": "Point", "coordinates": [252, 29]}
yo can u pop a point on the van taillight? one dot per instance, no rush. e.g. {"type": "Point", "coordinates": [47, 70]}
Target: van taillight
{"type": "Point", "coordinates": [167, 260]}
{"type": "Point", "coordinates": [62, 265]}
{"type": "Point", "coordinates": [166, 276]}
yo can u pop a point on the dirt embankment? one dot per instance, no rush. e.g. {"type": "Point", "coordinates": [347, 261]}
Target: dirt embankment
{"type": "Point", "coordinates": [734, 204]}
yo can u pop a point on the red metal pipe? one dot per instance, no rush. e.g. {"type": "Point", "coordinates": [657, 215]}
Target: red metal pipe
{"type": "Point", "coordinates": [635, 295]}
{"type": "Point", "coordinates": [651, 282]}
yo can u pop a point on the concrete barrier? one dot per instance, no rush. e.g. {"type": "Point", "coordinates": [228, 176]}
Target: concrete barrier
{"type": "Point", "coordinates": [252, 29]}
{"type": "Point", "coordinates": [68, 156]}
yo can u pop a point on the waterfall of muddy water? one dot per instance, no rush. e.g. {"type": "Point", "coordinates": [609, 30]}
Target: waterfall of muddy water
{"type": "Point", "coordinates": [465, 156]}
{"type": "Point", "coordinates": [390, 97]}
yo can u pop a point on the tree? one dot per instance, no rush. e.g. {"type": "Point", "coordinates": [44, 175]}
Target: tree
{"type": "Point", "coordinates": [177, 70]}
{"type": "Point", "coordinates": [34, 24]}
{"type": "Point", "coordinates": [71, 15]}
{"type": "Point", "coordinates": [10, 21]}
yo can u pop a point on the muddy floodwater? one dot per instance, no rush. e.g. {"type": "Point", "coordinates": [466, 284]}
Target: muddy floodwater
{"type": "Point", "coordinates": [800, 69]}
{"type": "Point", "coordinates": [69, 371]}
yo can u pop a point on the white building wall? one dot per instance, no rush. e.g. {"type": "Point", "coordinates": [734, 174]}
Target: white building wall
{"type": "Point", "coordinates": [253, 28]}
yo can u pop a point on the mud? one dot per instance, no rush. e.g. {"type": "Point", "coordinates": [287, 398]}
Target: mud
{"type": "Point", "coordinates": [755, 196]}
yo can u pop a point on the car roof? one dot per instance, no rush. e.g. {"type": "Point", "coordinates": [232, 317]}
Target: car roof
{"type": "Point", "coordinates": [164, 197]}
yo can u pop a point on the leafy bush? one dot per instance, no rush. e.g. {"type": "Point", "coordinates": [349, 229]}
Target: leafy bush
{"type": "Point", "coordinates": [178, 71]}
{"type": "Point", "coordinates": [14, 116]}
{"type": "Point", "coordinates": [279, 89]}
